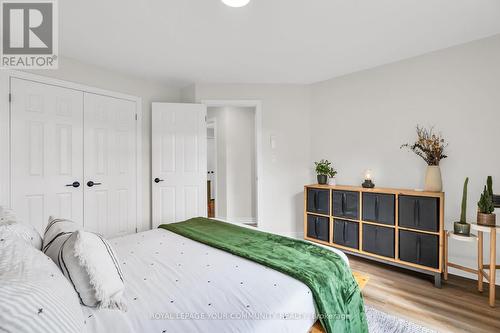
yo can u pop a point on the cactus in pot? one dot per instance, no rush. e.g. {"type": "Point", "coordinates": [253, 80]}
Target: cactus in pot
{"type": "Point", "coordinates": [485, 215]}
{"type": "Point", "coordinates": [462, 227]}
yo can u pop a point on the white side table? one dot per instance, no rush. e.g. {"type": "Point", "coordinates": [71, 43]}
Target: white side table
{"type": "Point", "coordinates": [492, 267]}
{"type": "Point", "coordinates": [448, 235]}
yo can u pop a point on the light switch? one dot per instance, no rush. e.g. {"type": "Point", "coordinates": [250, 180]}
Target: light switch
{"type": "Point", "coordinates": [273, 142]}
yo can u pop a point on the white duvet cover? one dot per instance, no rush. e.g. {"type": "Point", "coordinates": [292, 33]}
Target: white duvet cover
{"type": "Point", "coordinates": [174, 284]}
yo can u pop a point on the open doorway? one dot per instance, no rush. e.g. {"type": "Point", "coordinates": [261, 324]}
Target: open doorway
{"type": "Point", "coordinates": [211, 166]}
{"type": "Point", "coordinates": [232, 179]}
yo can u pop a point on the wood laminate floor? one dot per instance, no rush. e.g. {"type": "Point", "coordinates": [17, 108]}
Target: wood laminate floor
{"type": "Point", "coordinates": [457, 307]}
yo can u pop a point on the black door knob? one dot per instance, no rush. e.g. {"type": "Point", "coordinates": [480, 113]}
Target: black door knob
{"type": "Point", "coordinates": [91, 183]}
{"type": "Point", "coordinates": [75, 184]}
{"type": "Point", "coordinates": [157, 180]}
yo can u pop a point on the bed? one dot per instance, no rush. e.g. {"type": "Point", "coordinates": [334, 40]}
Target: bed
{"type": "Point", "coordinates": [198, 275]}
{"type": "Point", "coordinates": [174, 284]}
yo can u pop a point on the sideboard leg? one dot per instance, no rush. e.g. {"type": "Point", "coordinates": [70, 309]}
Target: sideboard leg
{"type": "Point", "coordinates": [437, 280]}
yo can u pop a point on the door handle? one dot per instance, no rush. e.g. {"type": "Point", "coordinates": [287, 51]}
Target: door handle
{"type": "Point", "coordinates": [376, 208]}
{"type": "Point", "coordinates": [343, 203]}
{"type": "Point", "coordinates": [418, 213]}
{"type": "Point", "coordinates": [419, 249]}
{"type": "Point", "coordinates": [74, 184]}
{"type": "Point", "coordinates": [415, 218]}
{"type": "Point", "coordinates": [91, 183]}
{"type": "Point", "coordinates": [344, 232]}
{"type": "Point", "coordinates": [157, 180]}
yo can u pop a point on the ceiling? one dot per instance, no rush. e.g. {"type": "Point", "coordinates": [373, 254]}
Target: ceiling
{"type": "Point", "coordinates": [269, 41]}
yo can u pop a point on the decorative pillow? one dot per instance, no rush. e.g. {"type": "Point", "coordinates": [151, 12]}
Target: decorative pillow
{"type": "Point", "coordinates": [10, 226]}
{"type": "Point", "coordinates": [34, 294]}
{"type": "Point", "coordinates": [89, 262]}
{"type": "Point", "coordinates": [56, 233]}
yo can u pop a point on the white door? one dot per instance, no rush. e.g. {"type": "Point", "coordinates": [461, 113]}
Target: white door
{"type": "Point", "coordinates": [179, 162]}
{"type": "Point", "coordinates": [110, 165]}
{"type": "Point", "coordinates": [47, 152]}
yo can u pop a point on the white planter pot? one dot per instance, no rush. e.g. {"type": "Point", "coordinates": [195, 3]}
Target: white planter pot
{"type": "Point", "coordinates": [433, 181]}
{"type": "Point", "coordinates": [332, 181]}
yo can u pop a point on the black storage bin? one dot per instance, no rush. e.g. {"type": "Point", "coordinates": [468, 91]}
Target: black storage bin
{"type": "Point", "coordinates": [318, 201]}
{"type": "Point", "coordinates": [318, 227]}
{"type": "Point", "coordinates": [379, 208]}
{"type": "Point", "coordinates": [346, 204]}
{"type": "Point", "coordinates": [419, 248]}
{"type": "Point", "coordinates": [346, 233]}
{"type": "Point", "coordinates": [378, 240]}
{"type": "Point", "coordinates": [420, 213]}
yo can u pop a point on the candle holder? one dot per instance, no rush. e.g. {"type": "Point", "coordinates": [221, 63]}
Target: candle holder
{"type": "Point", "coordinates": [368, 184]}
{"type": "Point", "coordinates": [368, 180]}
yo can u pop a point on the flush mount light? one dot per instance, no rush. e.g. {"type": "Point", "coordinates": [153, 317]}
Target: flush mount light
{"type": "Point", "coordinates": [236, 3]}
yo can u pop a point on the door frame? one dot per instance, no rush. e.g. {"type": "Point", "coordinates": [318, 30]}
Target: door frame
{"type": "Point", "coordinates": [5, 163]}
{"type": "Point", "coordinates": [257, 104]}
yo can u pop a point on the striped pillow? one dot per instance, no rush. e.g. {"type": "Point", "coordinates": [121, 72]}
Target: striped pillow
{"type": "Point", "coordinates": [56, 233]}
{"type": "Point", "coordinates": [90, 264]}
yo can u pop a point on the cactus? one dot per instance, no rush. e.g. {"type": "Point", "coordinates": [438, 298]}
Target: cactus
{"type": "Point", "coordinates": [485, 203]}
{"type": "Point", "coordinates": [489, 182]}
{"type": "Point", "coordinates": [463, 214]}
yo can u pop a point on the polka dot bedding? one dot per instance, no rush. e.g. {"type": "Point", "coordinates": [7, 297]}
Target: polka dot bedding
{"type": "Point", "coordinates": [174, 284]}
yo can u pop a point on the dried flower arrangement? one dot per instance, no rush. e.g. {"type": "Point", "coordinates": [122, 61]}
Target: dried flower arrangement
{"type": "Point", "coordinates": [429, 146]}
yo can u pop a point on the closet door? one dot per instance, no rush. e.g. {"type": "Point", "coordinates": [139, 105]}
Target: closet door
{"type": "Point", "coordinates": [47, 152]}
{"type": "Point", "coordinates": [110, 203]}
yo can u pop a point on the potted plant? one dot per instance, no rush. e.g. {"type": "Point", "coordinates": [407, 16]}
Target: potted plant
{"type": "Point", "coordinates": [485, 215]}
{"type": "Point", "coordinates": [324, 170]}
{"type": "Point", "coordinates": [430, 147]}
{"type": "Point", "coordinates": [462, 227]}
{"type": "Point", "coordinates": [331, 177]}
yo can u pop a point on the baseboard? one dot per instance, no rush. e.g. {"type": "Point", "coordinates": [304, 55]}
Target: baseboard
{"type": "Point", "coordinates": [238, 220]}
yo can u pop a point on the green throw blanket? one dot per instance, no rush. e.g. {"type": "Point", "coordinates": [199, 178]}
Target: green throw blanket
{"type": "Point", "coordinates": [337, 296]}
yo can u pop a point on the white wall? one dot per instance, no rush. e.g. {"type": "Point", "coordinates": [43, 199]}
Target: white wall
{"type": "Point", "coordinates": [359, 121]}
{"type": "Point", "coordinates": [236, 163]}
{"type": "Point", "coordinates": [285, 170]}
{"type": "Point", "coordinates": [150, 91]}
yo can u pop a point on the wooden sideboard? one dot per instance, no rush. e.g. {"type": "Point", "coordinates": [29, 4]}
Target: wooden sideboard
{"type": "Point", "coordinates": [399, 227]}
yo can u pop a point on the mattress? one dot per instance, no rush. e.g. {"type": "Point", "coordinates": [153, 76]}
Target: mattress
{"type": "Point", "coordinates": [174, 284]}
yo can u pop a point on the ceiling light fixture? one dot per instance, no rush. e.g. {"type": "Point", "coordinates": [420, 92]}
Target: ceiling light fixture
{"type": "Point", "coordinates": [236, 3]}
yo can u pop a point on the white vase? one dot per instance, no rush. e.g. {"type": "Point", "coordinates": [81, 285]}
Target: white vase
{"type": "Point", "coordinates": [332, 181]}
{"type": "Point", "coordinates": [433, 181]}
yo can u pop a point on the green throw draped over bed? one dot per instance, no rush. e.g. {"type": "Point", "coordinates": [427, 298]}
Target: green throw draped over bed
{"type": "Point", "coordinates": [337, 296]}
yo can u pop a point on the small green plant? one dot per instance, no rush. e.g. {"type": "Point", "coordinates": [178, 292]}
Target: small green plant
{"type": "Point", "coordinates": [325, 168]}
{"type": "Point", "coordinates": [485, 203]}
{"type": "Point", "coordinates": [463, 214]}
{"type": "Point", "coordinates": [489, 183]}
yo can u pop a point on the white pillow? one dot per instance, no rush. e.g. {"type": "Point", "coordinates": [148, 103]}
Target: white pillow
{"type": "Point", "coordinates": [35, 296]}
{"type": "Point", "coordinates": [90, 263]}
{"type": "Point", "coordinates": [56, 233]}
{"type": "Point", "coordinates": [10, 226]}
{"type": "Point", "coordinates": [6, 214]}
